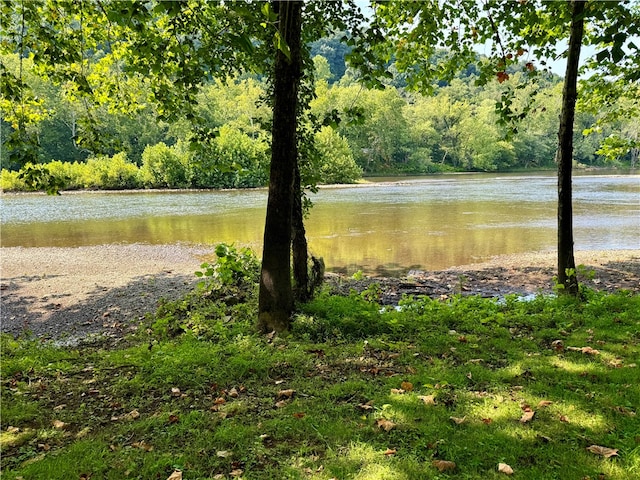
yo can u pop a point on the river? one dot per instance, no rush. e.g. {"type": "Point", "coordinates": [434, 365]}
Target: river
{"type": "Point", "coordinates": [386, 226]}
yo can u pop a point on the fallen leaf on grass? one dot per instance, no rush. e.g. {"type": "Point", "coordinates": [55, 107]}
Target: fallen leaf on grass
{"type": "Point", "coordinates": [385, 425]}
{"type": "Point", "coordinates": [237, 472]}
{"type": "Point", "coordinates": [233, 393]}
{"type": "Point", "coordinates": [406, 386]}
{"type": "Point", "coordinates": [564, 418]}
{"type": "Point", "coordinates": [176, 475]}
{"type": "Point", "coordinates": [175, 391]}
{"type": "Point", "coordinates": [624, 411]}
{"type": "Point", "coordinates": [390, 451]}
{"type": "Point", "coordinates": [603, 451]}
{"type": "Point", "coordinates": [544, 403]}
{"type": "Point", "coordinates": [397, 391]}
{"type": "Point", "coordinates": [366, 406]}
{"type": "Point", "coordinates": [585, 350]}
{"type": "Point", "coordinates": [174, 418]}
{"type": "Point", "coordinates": [458, 420]}
{"type": "Point", "coordinates": [487, 421]}
{"type": "Point", "coordinates": [444, 465]}
{"type": "Point", "coordinates": [142, 445]}
{"type": "Point", "coordinates": [59, 425]}
{"type": "Point", "coordinates": [223, 453]}
{"type": "Point", "coordinates": [132, 415]}
{"type": "Point", "coordinates": [289, 393]}
{"type": "Point", "coordinates": [299, 415]}
{"type": "Point", "coordinates": [428, 399]}
{"type": "Point", "coordinates": [527, 416]}
{"type": "Point", "coordinates": [504, 468]}
{"type": "Point", "coordinates": [281, 404]}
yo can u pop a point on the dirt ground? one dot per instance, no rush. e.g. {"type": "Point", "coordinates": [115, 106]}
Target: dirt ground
{"type": "Point", "coordinates": [71, 293]}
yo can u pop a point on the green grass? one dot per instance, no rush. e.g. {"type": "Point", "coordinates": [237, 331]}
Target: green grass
{"type": "Point", "coordinates": [219, 401]}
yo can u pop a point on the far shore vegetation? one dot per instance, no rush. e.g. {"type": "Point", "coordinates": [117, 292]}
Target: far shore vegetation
{"type": "Point", "coordinates": [367, 132]}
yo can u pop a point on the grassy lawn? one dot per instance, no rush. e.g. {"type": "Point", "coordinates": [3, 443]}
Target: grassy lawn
{"type": "Point", "coordinates": [440, 389]}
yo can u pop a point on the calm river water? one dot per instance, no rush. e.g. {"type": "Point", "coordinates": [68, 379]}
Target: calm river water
{"type": "Point", "coordinates": [385, 226]}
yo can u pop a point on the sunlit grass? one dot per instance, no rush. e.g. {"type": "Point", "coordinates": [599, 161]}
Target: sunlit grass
{"type": "Point", "coordinates": [212, 407]}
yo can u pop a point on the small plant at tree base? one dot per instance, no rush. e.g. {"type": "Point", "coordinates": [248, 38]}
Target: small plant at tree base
{"type": "Point", "coordinates": [233, 267]}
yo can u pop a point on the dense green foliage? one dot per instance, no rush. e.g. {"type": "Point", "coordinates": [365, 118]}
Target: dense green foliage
{"type": "Point", "coordinates": [355, 391]}
{"type": "Point", "coordinates": [374, 132]}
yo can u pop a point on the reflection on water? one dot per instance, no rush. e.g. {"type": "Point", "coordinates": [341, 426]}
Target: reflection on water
{"type": "Point", "coordinates": [426, 223]}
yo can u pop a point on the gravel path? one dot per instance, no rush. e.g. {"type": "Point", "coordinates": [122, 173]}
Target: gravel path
{"type": "Point", "coordinates": [74, 292]}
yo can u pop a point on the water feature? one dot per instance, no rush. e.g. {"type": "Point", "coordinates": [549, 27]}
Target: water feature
{"type": "Point", "coordinates": [398, 224]}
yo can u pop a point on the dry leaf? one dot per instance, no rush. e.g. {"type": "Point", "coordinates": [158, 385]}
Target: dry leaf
{"type": "Point", "coordinates": [219, 401]}
{"type": "Point", "coordinates": [286, 393]}
{"type": "Point", "coordinates": [458, 420]}
{"type": "Point", "coordinates": [142, 445]}
{"type": "Point", "coordinates": [175, 391]}
{"type": "Point", "coordinates": [603, 451]}
{"type": "Point", "coordinates": [299, 415]}
{"type": "Point", "coordinates": [564, 418]}
{"type": "Point", "coordinates": [428, 399]}
{"type": "Point", "coordinates": [544, 403]}
{"type": "Point", "coordinates": [236, 473]}
{"type": "Point", "coordinates": [527, 416]}
{"type": "Point", "coordinates": [281, 403]}
{"type": "Point", "coordinates": [132, 415]}
{"type": "Point", "coordinates": [366, 406]}
{"type": "Point", "coordinates": [58, 425]}
{"type": "Point", "coordinates": [174, 418]}
{"type": "Point", "coordinates": [223, 453]}
{"type": "Point", "coordinates": [504, 468]}
{"type": "Point", "coordinates": [406, 386]}
{"type": "Point", "coordinates": [390, 451]}
{"type": "Point", "coordinates": [176, 475]}
{"type": "Point", "coordinates": [233, 393]}
{"type": "Point", "coordinates": [385, 424]}
{"type": "Point", "coordinates": [488, 421]}
{"type": "Point", "coordinates": [397, 391]}
{"type": "Point", "coordinates": [586, 350]}
{"type": "Point", "coordinates": [444, 465]}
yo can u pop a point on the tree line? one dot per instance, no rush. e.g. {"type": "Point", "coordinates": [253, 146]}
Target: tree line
{"type": "Point", "coordinates": [366, 131]}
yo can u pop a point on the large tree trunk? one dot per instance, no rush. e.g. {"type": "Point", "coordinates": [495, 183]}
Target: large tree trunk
{"type": "Point", "coordinates": [302, 289]}
{"type": "Point", "coordinates": [566, 261]}
{"type": "Point", "coordinates": [276, 295]}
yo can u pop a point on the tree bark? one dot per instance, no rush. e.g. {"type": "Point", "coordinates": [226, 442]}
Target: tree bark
{"type": "Point", "coordinates": [275, 303]}
{"type": "Point", "coordinates": [302, 289]}
{"type": "Point", "coordinates": [566, 262]}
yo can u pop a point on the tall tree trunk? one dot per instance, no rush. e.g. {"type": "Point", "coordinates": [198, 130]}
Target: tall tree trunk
{"type": "Point", "coordinates": [275, 303]}
{"type": "Point", "coordinates": [566, 261]}
{"type": "Point", "coordinates": [302, 289]}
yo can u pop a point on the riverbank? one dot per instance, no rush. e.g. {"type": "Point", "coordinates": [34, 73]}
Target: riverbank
{"type": "Point", "coordinates": [75, 292]}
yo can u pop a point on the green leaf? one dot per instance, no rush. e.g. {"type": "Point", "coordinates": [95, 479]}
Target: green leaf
{"type": "Point", "coordinates": [281, 44]}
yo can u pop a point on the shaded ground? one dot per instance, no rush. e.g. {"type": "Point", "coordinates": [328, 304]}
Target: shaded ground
{"type": "Point", "coordinates": [74, 292]}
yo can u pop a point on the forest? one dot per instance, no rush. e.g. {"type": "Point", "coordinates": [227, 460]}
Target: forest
{"type": "Point", "coordinates": [358, 131]}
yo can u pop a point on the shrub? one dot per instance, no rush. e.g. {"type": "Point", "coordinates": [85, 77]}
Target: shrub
{"type": "Point", "coordinates": [336, 163]}
{"type": "Point", "coordinates": [165, 167]}
{"type": "Point", "coordinates": [112, 173]}
{"type": "Point", "coordinates": [232, 160]}
{"type": "Point", "coordinates": [71, 174]}
{"type": "Point", "coordinates": [10, 182]}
